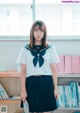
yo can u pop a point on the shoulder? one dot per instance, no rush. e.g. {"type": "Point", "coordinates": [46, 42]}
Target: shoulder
{"type": "Point", "coordinates": [26, 46]}
{"type": "Point", "coordinates": [52, 47]}
{"type": "Point", "coordinates": [23, 49]}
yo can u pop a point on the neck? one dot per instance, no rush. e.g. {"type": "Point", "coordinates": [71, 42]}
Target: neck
{"type": "Point", "coordinates": [37, 42]}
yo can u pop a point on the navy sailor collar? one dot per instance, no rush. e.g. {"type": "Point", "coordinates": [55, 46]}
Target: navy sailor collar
{"type": "Point", "coordinates": [38, 56]}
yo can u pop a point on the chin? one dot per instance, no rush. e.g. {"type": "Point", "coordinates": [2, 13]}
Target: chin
{"type": "Point", "coordinates": [38, 39]}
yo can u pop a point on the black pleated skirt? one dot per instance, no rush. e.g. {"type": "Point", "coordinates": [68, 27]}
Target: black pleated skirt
{"type": "Point", "coordinates": [40, 91]}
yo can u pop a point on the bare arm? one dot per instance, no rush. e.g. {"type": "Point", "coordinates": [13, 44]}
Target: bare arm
{"type": "Point", "coordinates": [23, 76]}
{"type": "Point", "coordinates": [23, 80]}
{"type": "Point", "coordinates": [54, 76]}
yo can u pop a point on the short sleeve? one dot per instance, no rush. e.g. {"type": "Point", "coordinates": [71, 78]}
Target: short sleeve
{"type": "Point", "coordinates": [22, 58]}
{"type": "Point", "coordinates": [54, 55]}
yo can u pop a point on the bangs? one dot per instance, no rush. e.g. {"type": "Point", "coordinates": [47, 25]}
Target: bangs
{"type": "Point", "coordinates": [40, 27]}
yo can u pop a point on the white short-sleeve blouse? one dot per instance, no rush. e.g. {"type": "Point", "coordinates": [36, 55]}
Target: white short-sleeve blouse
{"type": "Point", "coordinates": [49, 57]}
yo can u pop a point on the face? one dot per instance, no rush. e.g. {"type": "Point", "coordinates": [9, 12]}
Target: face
{"type": "Point", "coordinates": [38, 33]}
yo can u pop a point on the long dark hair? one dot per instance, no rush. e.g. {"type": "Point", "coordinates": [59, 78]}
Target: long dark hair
{"type": "Point", "coordinates": [42, 25]}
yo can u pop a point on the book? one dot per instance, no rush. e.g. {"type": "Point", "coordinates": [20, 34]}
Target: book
{"type": "Point", "coordinates": [3, 93]}
{"type": "Point", "coordinates": [68, 64]}
{"type": "Point", "coordinates": [61, 99]}
{"type": "Point", "coordinates": [69, 95]}
{"type": "Point", "coordinates": [73, 94]}
{"type": "Point", "coordinates": [79, 96]}
{"type": "Point", "coordinates": [15, 97]}
{"type": "Point", "coordinates": [75, 64]}
{"type": "Point", "coordinates": [60, 66]}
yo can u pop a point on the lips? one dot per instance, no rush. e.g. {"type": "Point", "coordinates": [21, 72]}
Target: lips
{"type": "Point", "coordinates": [38, 37]}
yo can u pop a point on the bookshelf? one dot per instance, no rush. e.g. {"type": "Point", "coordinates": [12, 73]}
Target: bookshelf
{"type": "Point", "coordinates": [69, 75]}
{"type": "Point", "coordinates": [69, 108]}
{"type": "Point", "coordinates": [68, 72]}
{"type": "Point", "coordinates": [16, 101]}
{"type": "Point", "coordinates": [9, 74]}
{"type": "Point", "coordinates": [10, 80]}
{"type": "Point", "coordinates": [64, 80]}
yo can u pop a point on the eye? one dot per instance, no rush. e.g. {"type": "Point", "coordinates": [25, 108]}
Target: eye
{"type": "Point", "coordinates": [42, 30]}
{"type": "Point", "coordinates": [35, 30]}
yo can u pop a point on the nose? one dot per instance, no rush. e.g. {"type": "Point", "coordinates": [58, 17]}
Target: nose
{"type": "Point", "coordinates": [39, 31]}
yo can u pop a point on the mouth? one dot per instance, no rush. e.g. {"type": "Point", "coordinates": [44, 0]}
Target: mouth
{"type": "Point", "coordinates": [38, 37]}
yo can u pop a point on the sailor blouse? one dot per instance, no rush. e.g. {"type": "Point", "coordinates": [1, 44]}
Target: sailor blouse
{"type": "Point", "coordinates": [38, 62]}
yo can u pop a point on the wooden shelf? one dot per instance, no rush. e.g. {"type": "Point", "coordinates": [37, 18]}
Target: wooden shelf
{"type": "Point", "coordinates": [10, 74]}
{"type": "Point", "coordinates": [69, 75]}
{"type": "Point", "coordinates": [69, 108]}
{"type": "Point", "coordinates": [9, 101]}
{"type": "Point", "coordinates": [17, 74]}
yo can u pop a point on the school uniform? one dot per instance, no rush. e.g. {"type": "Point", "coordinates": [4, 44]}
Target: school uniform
{"type": "Point", "coordinates": [39, 82]}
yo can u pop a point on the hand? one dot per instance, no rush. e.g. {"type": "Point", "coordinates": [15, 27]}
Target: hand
{"type": "Point", "coordinates": [56, 94]}
{"type": "Point", "coordinates": [23, 95]}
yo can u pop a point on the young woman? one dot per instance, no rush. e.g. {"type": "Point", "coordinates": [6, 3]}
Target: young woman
{"type": "Point", "coordinates": [38, 71]}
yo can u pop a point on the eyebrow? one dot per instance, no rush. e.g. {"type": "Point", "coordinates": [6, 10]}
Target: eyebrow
{"type": "Point", "coordinates": [40, 28]}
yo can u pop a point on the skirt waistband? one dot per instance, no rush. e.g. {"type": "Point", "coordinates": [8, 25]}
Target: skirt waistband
{"type": "Point", "coordinates": [38, 75]}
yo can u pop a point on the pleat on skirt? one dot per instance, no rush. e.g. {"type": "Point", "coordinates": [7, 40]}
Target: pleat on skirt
{"type": "Point", "coordinates": [40, 93]}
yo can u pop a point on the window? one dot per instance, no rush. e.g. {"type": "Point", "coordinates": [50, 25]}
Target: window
{"type": "Point", "coordinates": [76, 20]}
{"type": "Point", "coordinates": [16, 17]}
{"type": "Point", "coordinates": [51, 14]}
{"type": "Point", "coordinates": [61, 19]}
